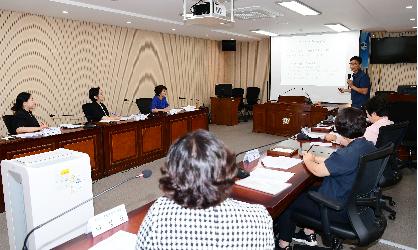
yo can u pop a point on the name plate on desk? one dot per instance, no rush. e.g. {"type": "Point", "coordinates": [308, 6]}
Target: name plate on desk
{"type": "Point", "coordinates": [251, 155]}
{"type": "Point", "coordinates": [108, 220]}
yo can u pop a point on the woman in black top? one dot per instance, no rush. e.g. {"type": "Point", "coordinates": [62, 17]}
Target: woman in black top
{"type": "Point", "coordinates": [96, 110]}
{"type": "Point", "coordinates": [24, 121]}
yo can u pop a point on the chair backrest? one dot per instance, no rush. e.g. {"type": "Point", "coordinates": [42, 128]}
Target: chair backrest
{"type": "Point", "coordinates": [391, 134]}
{"type": "Point", "coordinates": [252, 95]}
{"type": "Point", "coordinates": [407, 89]}
{"type": "Point", "coordinates": [401, 111]}
{"type": "Point", "coordinates": [8, 121]}
{"type": "Point", "coordinates": [368, 224]}
{"type": "Point", "coordinates": [144, 105]}
{"type": "Point", "coordinates": [239, 92]}
{"type": "Point", "coordinates": [85, 108]}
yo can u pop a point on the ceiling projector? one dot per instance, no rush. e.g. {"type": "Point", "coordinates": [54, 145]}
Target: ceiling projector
{"type": "Point", "coordinates": [200, 8]}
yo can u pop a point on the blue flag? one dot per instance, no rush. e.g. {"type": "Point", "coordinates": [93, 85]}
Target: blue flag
{"type": "Point", "coordinates": [364, 48]}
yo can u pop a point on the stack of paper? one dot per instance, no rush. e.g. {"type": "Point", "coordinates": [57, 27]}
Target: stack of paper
{"type": "Point", "coordinates": [323, 144]}
{"type": "Point", "coordinates": [283, 150]}
{"type": "Point", "coordinates": [174, 111]}
{"type": "Point", "coordinates": [119, 240]}
{"type": "Point", "coordinates": [267, 180]}
{"type": "Point", "coordinates": [189, 108]}
{"type": "Point", "coordinates": [70, 126]}
{"type": "Point", "coordinates": [281, 162]}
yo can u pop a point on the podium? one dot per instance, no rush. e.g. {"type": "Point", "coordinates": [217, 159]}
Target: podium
{"type": "Point", "coordinates": [39, 187]}
{"type": "Point", "coordinates": [287, 116]}
{"type": "Point", "coordinates": [224, 111]}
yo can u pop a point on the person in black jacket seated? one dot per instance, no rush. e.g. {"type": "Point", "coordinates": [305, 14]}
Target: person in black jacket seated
{"type": "Point", "coordinates": [23, 120]}
{"type": "Point", "coordinates": [96, 110]}
{"type": "Point", "coordinates": [339, 171]}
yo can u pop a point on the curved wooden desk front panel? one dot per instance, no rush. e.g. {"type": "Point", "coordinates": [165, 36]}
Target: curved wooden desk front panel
{"type": "Point", "coordinates": [112, 147]}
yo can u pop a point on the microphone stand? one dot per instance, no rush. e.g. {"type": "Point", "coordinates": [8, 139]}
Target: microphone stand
{"type": "Point", "coordinates": [287, 91]}
{"type": "Point", "coordinates": [146, 173]}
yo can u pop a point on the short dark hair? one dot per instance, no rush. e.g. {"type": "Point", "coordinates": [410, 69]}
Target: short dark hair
{"type": "Point", "coordinates": [378, 105]}
{"type": "Point", "coordinates": [158, 89]}
{"type": "Point", "coordinates": [351, 122]}
{"type": "Point", "coordinates": [356, 58]}
{"type": "Point", "coordinates": [198, 171]}
{"type": "Point", "coordinates": [93, 92]}
{"type": "Point", "coordinates": [20, 99]}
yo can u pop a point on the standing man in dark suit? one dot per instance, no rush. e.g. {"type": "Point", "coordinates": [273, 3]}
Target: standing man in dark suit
{"type": "Point", "coordinates": [96, 110]}
{"type": "Point", "coordinates": [359, 86]}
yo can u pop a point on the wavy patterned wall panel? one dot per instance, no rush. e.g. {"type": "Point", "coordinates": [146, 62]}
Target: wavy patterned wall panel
{"type": "Point", "coordinates": [58, 60]}
{"type": "Point", "coordinates": [389, 76]}
{"type": "Point", "coordinates": [249, 66]}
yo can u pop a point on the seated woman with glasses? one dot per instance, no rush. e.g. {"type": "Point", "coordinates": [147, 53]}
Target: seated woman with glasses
{"type": "Point", "coordinates": [339, 172]}
{"type": "Point", "coordinates": [196, 211]}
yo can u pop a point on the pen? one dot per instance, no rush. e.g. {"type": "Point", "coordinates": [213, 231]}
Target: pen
{"type": "Point", "coordinates": [309, 149]}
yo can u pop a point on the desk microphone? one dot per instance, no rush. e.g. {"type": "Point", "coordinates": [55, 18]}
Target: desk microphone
{"type": "Point", "coordinates": [63, 115]}
{"type": "Point", "coordinates": [144, 174]}
{"type": "Point", "coordinates": [182, 98]}
{"type": "Point", "coordinates": [309, 97]}
{"type": "Point", "coordinates": [126, 100]}
{"type": "Point", "coordinates": [287, 91]}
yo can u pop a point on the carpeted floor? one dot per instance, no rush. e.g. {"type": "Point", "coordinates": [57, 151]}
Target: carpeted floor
{"type": "Point", "coordinates": [240, 138]}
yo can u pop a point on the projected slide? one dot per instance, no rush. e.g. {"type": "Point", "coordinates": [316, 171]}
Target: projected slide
{"type": "Point", "coordinates": [318, 64]}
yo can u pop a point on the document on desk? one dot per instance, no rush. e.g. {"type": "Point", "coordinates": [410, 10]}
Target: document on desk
{"type": "Point", "coordinates": [267, 180]}
{"type": "Point", "coordinates": [119, 240]}
{"type": "Point", "coordinates": [281, 162]}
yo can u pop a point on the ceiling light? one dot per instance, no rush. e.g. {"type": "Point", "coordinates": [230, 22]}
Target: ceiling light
{"type": "Point", "coordinates": [409, 7]}
{"type": "Point", "coordinates": [128, 22]}
{"type": "Point", "coordinates": [173, 29]}
{"type": "Point", "coordinates": [414, 27]}
{"type": "Point", "coordinates": [412, 19]}
{"type": "Point", "coordinates": [299, 7]}
{"type": "Point", "coordinates": [337, 27]}
{"type": "Point", "coordinates": [221, 23]}
{"type": "Point", "coordinates": [263, 32]}
{"type": "Point", "coordinates": [64, 12]}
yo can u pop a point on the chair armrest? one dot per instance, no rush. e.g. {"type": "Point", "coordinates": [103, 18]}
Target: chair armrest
{"type": "Point", "coordinates": [319, 198]}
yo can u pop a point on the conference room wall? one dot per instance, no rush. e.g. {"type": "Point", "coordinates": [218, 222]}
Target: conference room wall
{"type": "Point", "coordinates": [58, 60]}
{"type": "Point", "coordinates": [392, 75]}
{"type": "Point", "coordinates": [248, 66]}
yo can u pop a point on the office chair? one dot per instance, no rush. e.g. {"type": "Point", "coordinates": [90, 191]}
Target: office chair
{"type": "Point", "coordinates": [391, 134]}
{"type": "Point", "coordinates": [144, 105]}
{"type": "Point", "coordinates": [366, 223]}
{"type": "Point", "coordinates": [239, 93]}
{"type": "Point", "coordinates": [8, 121]}
{"type": "Point", "coordinates": [401, 111]}
{"type": "Point", "coordinates": [85, 108]}
{"type": "Point", "coordinates": [251, 99]}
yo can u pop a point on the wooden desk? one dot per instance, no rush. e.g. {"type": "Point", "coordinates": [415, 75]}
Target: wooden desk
{"type": "Point", "coordinates": [285, 118]}
{"type": "Point", "coordinates": [224, 111]}
{"type": "Point", "coordinates": [275, 204]}
{"type": "Point", "coordinates": [112, 147]}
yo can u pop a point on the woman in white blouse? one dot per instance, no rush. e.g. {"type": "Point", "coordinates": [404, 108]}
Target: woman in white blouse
{"type": "Point", "coordinates": [377, 113]}
{"type": "Point", "coordinates": [195, 212]}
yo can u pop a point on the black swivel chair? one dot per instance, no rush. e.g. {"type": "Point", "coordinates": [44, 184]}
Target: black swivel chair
{"type": "Point", "coordinates": [144, 105]}
{"type": "Point", "coordinates": [367, 224]}
{"type": "Point", "coordinates": [251, 99]}
{"type": "Point", "coordinates": [391, 134]}
{"type": "Point", "coordinates": [401, 111]}
{"type": "Point", "coordinates": [239, 93]}
{"type": "Point", "coordinates": [8, 121]}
